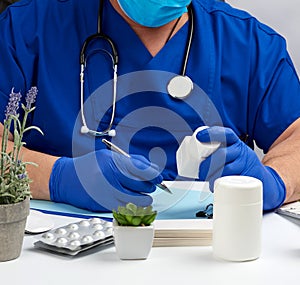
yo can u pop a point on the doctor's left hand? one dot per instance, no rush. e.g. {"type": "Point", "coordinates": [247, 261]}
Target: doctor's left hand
{"type": "Point", "coordinates": [103, 180]}
{"type": "Point", "coordinates": [234, 157]}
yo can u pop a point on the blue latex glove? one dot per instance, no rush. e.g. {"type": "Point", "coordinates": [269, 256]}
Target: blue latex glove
{"type": "Point", "coordinates": [234, 157]}
{"type": "Point", "coordinates": [103, 180]}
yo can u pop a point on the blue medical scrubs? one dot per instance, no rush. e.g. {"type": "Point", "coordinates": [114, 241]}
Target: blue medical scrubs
{"type": "Point", "coordinates": [243, 76]}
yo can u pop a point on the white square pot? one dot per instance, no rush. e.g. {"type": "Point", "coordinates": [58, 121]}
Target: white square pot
{"type": "Point", "coordinates": [133, 242]}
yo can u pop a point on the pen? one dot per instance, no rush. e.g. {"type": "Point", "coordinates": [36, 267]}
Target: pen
{"type": "Point", "coordinates": [115, 148]}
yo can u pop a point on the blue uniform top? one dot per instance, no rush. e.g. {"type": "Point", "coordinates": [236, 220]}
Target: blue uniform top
{"type": "Point", "coordinates": [244, 78]}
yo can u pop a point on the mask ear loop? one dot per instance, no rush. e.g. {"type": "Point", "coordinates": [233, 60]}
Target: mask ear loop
{"type": "Point", "coordinates": [181, 86]}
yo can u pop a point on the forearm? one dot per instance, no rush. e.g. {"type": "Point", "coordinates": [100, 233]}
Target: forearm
{"type": "Point", "coordinates": [39, 175]}
{"type": "Point", "coordinates": [284, 157]}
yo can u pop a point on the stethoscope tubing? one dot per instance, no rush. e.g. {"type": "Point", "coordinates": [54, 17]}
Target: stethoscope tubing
{"type": "Point", "coordinates": [115, 61]}
{"type": "Point", "coordinates": [189, 44]}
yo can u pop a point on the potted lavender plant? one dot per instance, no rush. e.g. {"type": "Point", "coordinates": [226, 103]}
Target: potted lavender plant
{"type": "Point", "coordinates": [14, 180]}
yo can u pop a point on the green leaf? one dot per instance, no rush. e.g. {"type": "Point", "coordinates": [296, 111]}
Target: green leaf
{"type": "Point", "coordinates": [147, 220]}
{"type": "Point", "coordinates": [131, 207]}
{"type": "Point", "coordinates": [31, 163]}
{"type": "Point", "coordinates": [140, 211]}
{"type": "Point", "coordinates": [148, 210]}
{"type": "Point", "coordinates": [132, 215]}
{"type": "Point", "coordinates": [120, 219]}
{"type": "Point", "coordinates": [16, 136]}
{"type": "Point", "coordinates": [136, 221]}
{"type": "Point", "coordinates": [129, 218]}
{"type": "Point", "coordinates": [33, 128]}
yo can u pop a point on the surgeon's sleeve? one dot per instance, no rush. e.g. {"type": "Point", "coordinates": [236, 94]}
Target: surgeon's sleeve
{"type": "Point", "coordinates": [275, 83]}
{"type": "Point", "coordinates": [17, 54]}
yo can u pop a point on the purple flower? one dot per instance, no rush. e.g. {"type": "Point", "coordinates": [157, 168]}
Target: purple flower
{"type": "Point", "coordinates": [13, 104]}
{"type": "Point", "coordinates": [30, 97]}
{"type": "Point", "coordinates": [22, 176]}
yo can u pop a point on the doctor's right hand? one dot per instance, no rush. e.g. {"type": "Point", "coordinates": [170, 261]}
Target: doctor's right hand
{"type": "Point", "coordinates": [103, 180]}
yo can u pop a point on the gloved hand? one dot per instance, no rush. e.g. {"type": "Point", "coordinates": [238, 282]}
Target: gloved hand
{"type": "Point", "coordinates": [234, 157]}
{"type": "Point", "coordinates": [103, 180]}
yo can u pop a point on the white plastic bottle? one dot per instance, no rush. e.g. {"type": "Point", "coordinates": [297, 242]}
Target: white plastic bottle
{"type": "Point", "coordinates": [237, 218]}
{"type": "Point", "coordinates": [191, 153]}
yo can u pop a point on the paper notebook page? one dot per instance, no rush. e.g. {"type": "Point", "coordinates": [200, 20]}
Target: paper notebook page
{"type": "Point", "coordinates": [188, 198]}
{"type": "Point", "coordinates": [291, 209]}
{"type": "Point", "coordinates": [184, 225]}
{"type": "Point", "coordinates": [196, 228]}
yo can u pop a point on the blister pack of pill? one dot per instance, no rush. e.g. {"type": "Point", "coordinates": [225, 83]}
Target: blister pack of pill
{"type": "Point", "coordinates": [76, 237]}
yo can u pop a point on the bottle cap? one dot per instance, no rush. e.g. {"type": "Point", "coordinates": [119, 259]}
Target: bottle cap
{"type": "Point", "coordinates": [191, 153]}
{"type": "Point", "coordinates": [237, 190]}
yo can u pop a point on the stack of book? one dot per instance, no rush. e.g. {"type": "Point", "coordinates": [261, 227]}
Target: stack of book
{"type": "Point", "coordinates": [183, 232]}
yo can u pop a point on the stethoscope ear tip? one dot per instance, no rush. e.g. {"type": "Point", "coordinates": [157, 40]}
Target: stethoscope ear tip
{"type": "Point", "coordinates": [112, 133]}
{"type": "Point", "coordinates": [84, 130]}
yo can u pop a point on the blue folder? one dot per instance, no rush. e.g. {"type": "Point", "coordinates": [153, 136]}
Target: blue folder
{"type": "Point", "coordinates": [187, 199]}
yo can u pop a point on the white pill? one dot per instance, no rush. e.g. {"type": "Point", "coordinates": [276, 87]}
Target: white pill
{"type": "Point", "coordinates": [99, 234]}
{"type": "Point", "coordinates": [61, 231]}
{"type": "Point", "coordinates": [48, 236]}
{"type": "Point", "coordinates": [97, 226]}
{"type": "Point", "coordinates": [75, 243]}
{"type": "Point", "coordinates": [73, 227]}
{"type": "Point", "coordinates": [74, 235]}
{"type": "Point", "coordinates": [84, 223]}
{"type": "Point", "coordinates": [87, 239]}
{"type": "Point", "coordinates": [61, 241]}
{"type": "Point", "coordinates": [96, 221]}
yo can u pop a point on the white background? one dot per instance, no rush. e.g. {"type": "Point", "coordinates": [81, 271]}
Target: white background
{"type": "Point", "coordinates": [282, 15]}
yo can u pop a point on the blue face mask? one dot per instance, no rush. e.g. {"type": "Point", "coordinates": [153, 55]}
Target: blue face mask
{"type": "Point", "coordinates": [154, 13]}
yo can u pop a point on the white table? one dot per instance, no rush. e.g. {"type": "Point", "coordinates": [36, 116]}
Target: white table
{"type": "Point", "coordinates": [278, 264]}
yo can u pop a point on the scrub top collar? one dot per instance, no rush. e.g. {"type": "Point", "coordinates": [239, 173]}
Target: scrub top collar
{"type": "Point", "coordinates": [133, 53]}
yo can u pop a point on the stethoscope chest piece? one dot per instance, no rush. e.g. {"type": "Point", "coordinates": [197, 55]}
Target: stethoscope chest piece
{"type": "Point", "coordinates": [180, 87]}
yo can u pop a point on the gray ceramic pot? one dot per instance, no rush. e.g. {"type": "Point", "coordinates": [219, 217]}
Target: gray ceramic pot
{"type": "Point", "coordinates": [12, 227]}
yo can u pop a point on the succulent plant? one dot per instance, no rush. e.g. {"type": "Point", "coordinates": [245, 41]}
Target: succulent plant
{"type": "Point", "coordinates": [132, 215]}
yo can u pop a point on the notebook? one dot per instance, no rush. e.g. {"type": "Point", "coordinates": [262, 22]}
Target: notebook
{"type": "Point", "coordinates": [291, 210]}
{"type": "Point", "coordinates": [183, 232]}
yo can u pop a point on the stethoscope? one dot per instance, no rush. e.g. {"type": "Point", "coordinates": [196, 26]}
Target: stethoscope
{"type": "Point", "coordinates": [179, 87]}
